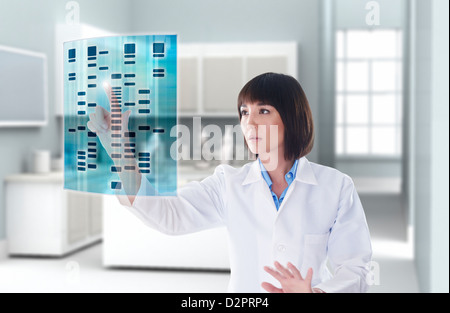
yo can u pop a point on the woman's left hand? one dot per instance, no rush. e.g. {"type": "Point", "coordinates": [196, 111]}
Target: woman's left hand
{"type": "Point", "coordinates": [290, 279]}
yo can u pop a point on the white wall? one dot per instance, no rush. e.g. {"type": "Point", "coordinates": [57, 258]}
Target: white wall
{"type": "Point", "coordinates": [440, 149]}
{"type": "Point", "coordinates": [352, 13]}
{"type": "Point", "coordinates": [3, 249]}
{"type": "Point", "coordinates": [430, 144]}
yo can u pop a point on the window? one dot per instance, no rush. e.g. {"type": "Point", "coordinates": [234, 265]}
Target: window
{"type": "Point", "coordinates": [369, 93]}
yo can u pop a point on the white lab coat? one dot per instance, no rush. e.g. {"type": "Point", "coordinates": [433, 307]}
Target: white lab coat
{"type": "Point", "coordinates": [320, 219]}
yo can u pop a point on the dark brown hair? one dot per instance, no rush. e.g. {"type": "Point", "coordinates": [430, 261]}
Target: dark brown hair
{"type": "Point", "coordinates": [286, 95]}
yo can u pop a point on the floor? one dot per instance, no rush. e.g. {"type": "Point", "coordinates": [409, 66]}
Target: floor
{"type": "Point", "coordinates": [393, 264]}
{"type": "Point", "coordinates": [391, 243]}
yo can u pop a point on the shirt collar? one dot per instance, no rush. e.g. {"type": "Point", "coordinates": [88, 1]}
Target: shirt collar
{"type": "Point", "coordinates": [289, 176]}
{"type": "Point", "coordinates": [304, 173]}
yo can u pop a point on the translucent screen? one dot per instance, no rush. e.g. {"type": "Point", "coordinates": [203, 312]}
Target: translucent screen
{"type": "Point", "coordinates": [142, 74]}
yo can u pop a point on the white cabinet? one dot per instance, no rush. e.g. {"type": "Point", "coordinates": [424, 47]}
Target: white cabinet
{"type": "Point", "coordinates": [212, 74]}
{"type": "Point", "coordinates": [43, 219]}
{"type": "Point", "coordinates": [128, 242]}
{"type": "Point", "coordinates": [222, 81]}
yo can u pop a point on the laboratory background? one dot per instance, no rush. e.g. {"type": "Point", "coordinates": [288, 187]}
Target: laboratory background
{"type": "Point", "coordinates": [376, 76]}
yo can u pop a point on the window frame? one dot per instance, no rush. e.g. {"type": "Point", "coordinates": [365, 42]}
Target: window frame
{"type": "Point", "coordinates": [341, 153]}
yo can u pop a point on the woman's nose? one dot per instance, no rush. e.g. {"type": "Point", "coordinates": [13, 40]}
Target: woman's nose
{"type": "Point", "coordinates": [252, 120]}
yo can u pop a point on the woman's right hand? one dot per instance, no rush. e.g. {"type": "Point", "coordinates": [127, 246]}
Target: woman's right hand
{"type": "Point", "coordinates": [290, 279]}
{"type": "Point", "coordinates": [108, 123]}
{"type": "Point", "coordinates": [100, 122]}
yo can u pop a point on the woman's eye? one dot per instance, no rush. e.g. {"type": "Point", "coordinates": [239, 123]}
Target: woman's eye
{"type": "Point", "coordinates": [243, 112]}
{"type": "Point", "coordinates": [264, 111]}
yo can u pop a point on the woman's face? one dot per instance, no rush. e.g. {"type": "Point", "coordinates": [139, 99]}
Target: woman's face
{"type": "Point", "coordinates": [262, 127]}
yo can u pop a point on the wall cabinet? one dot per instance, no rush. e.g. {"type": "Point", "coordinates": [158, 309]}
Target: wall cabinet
{"type": "Point", "coordinates": [211, 75]}
{"type": "Point", "coordinates": [43, 219]}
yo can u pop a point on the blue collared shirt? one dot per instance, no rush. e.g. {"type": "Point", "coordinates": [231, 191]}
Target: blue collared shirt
{"type": "Point", "coordinates": [290, 176]}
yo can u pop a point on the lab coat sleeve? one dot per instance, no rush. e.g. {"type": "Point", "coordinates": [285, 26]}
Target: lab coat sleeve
{"type": "Point", "coordinates": [349, 246]}
{"type": "Point", "coordinates": [197, 206]}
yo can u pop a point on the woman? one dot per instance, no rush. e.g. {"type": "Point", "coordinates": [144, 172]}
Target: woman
{"type": "Point", "coordinates": [280, 209]}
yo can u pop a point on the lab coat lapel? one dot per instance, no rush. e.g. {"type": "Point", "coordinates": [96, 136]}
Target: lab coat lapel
{"type": "Point", "coordinates": [255, 178]}
{"type": "Point", "coordinates": [253, 175]}
{"type": "Point", "coordinates": [304, 175]}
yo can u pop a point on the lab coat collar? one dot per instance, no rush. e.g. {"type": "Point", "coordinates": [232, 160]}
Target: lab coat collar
{"type": "Point", "coordinates": [254, 174]}
{"type": "Point", "coordinates": [305, 173]}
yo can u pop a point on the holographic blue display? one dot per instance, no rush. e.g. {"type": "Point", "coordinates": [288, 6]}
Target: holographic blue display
{"type": "Point", "coordinates": [142, 73]}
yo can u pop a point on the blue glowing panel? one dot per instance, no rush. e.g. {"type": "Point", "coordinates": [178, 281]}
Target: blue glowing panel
{"type": "Point", "coordinates": [142, 73]}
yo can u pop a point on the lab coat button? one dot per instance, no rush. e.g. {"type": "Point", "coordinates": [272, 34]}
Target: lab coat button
{"type": "Point", "coordinates": [281, 248]}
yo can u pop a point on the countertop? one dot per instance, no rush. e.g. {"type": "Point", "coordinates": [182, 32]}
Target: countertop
{"type": "Point", "coordinates": [52, 177]}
